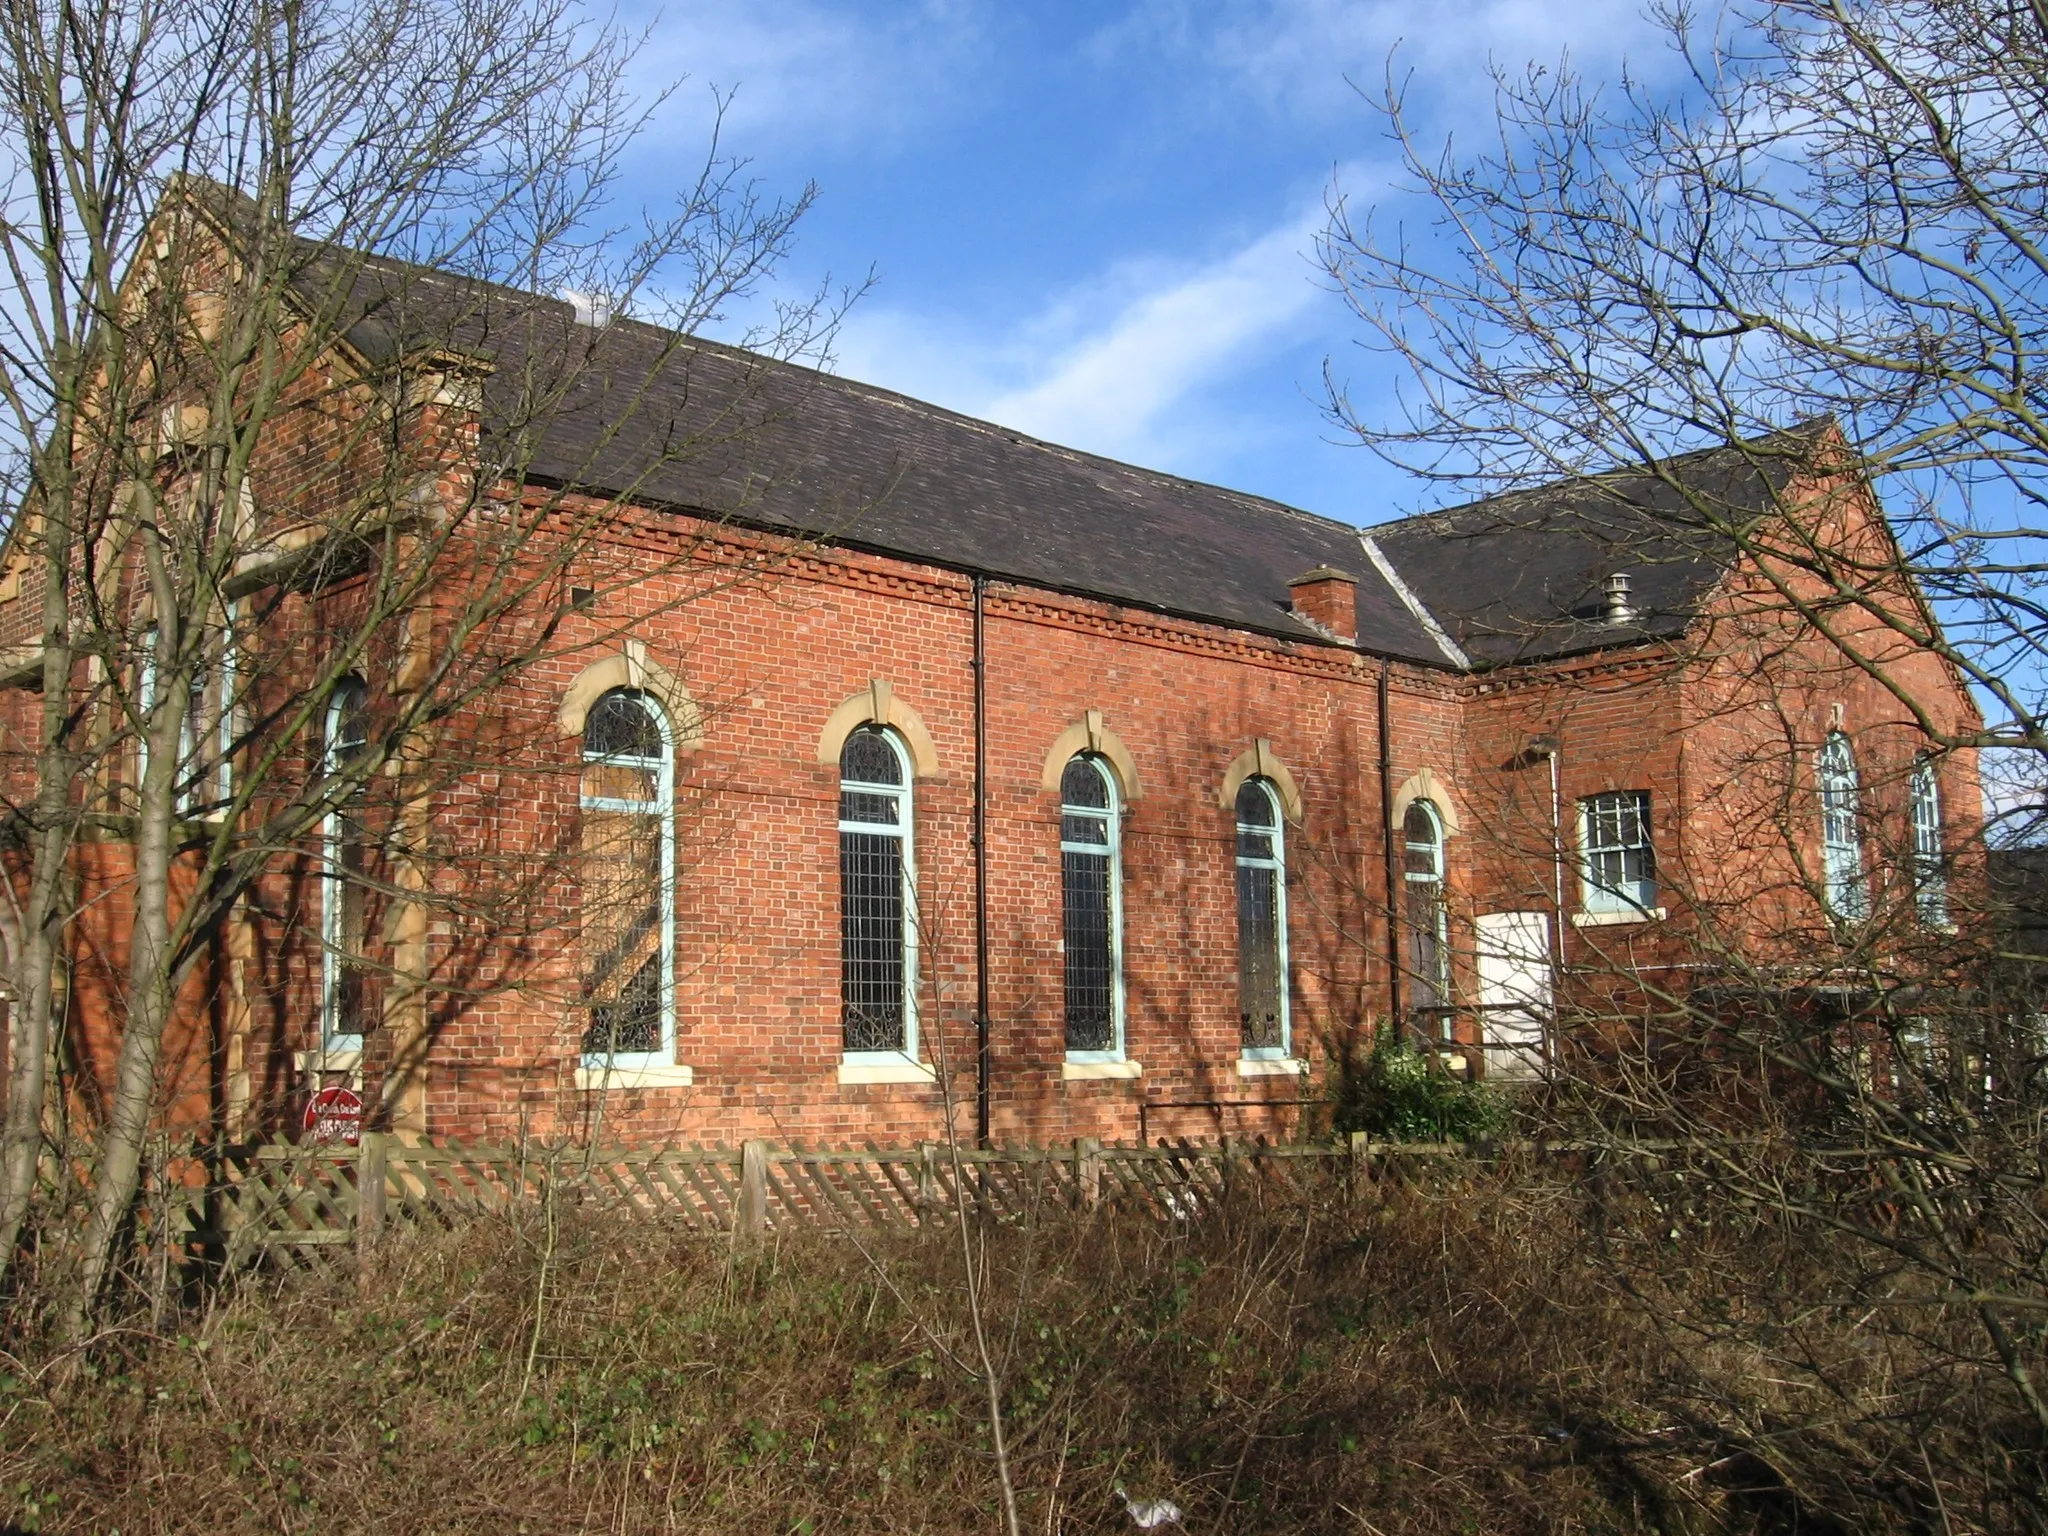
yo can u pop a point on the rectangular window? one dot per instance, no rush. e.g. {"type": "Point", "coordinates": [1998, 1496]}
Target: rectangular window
{"type": "Point", "coordinates": [1618, 867]}
{"type": "Point", "coordinates": [349, 1002]}
{"type": "Point", "coordinates": [207, 728]}
{"type": "Point", "coordinates": [1259, 982]}
{"type": "Point", "coordinates": [1930, 865]}
{"type": "Point", "coordinates": [622, 932]}
{"type": "Point", "coordinates": [1091, 978]}
{"type": "Point", "coordinates": [871, 940]}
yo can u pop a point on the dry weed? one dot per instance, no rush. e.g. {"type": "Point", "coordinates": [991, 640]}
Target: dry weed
{"type": "Point", "coordinates": [1457, 1359]}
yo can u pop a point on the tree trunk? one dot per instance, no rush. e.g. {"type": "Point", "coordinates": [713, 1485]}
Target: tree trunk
{"type": "Point", "coordinates": [34, 964]}
{"type": "Point", "coordinates": [150, 985]}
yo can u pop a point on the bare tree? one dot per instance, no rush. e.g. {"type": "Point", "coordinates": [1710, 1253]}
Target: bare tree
{"type": "Point", "coordinates": [278, 380]}
{"type": "Point", "coordinates": [1838, 214]}
{"type": "Point", "coordinates": [1836, 220]}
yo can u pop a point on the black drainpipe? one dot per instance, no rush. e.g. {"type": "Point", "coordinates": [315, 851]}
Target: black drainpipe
{"type": "Point", "coordinates": [1393, 874]}
{"type": "Point", "coordinates": [981, 1042]}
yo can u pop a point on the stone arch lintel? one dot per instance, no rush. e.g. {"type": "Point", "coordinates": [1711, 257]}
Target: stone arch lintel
{"type": "Point", "coordinates": [877, 704]}
{"type": "Point", "coordinates": [1089, 734]}
{"type": "Point", "coordinates": [1425, 785]}
{"type": "Point", "coordinates": [1259, 761]}
{"type": "Point", "coordinates": [632, 667]}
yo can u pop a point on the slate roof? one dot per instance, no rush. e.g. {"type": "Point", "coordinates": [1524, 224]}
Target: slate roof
{"type": "Point", "coordinates": [637, 410]}
{"type": "Point", "coordinates": [1521, 577]}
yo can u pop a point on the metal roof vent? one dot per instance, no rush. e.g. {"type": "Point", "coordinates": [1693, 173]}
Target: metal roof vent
{"type": "Point", "coordinates": [591, 309]}
{"type": "Point", "coordinates": [1617, 609]}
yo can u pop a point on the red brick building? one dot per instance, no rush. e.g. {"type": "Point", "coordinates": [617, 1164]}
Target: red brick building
{"type": "Point", "coordinates": [880, 759]}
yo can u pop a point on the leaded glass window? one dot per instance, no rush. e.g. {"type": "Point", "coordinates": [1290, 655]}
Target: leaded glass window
{"type": "Point", "coordinates": [1428, 920]}
{"type": "Point", "coordinates": [1618, 864]}
{"type": "Point", "coordinates": [1091, 905]}
{"type": "Point", "coordinates": [628, 805]}
{"type": "Point", "coordinates": [877, 895]}
{"type": "Point", "coordinates": [1261, 921]}
{"type": "Point", "coordinates": [348, 1008]}
{"type": "Point", "coordinates": [1930, 862]}
{"type": "Point", "coordinates": [1841, 815]}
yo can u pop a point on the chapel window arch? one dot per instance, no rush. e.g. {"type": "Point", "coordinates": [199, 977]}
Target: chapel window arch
{"type": "Point", "coordinates": [1262, 981]}
{"type": "Point", "coordinates": [1426, 918]}
{"type": "Point", "coordinates": [627, 801]}
{"type": "Point", "coordinates": [1091, 906]}
{"type": "Point", "coordinates": [877, 895]}
{"type": "Point", "coordinates": [1845, 884]}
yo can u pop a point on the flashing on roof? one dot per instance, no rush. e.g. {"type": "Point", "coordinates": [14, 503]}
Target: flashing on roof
{"type": "Point", "coordinates": [1414, 604]}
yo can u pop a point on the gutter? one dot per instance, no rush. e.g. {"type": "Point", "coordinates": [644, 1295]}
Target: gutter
{"type": "Point", "coordinates": [1299, 635]}
{"type": "Point", "coordinates": [1387, 845]}
{"type": "Point", "coordinates": [981, 1019]}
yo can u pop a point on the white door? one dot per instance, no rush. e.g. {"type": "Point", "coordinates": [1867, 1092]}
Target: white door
{"type": "Point", "coordinates": [1514, 991]}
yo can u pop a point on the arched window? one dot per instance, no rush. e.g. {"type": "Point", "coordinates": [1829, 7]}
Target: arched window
{"type": "Point", "coordinates": [1841, 830]}
{"type": "Point", "coordinates": [877, 896]}
{"type": "Point", "coordinates": [1428, 922]}
{"type": "Point", "coordinates": [207, 729]}
{"type": "Point", "coordinates": [1092, 905]}
{"type": "Point", "coordinates": [1930, 866]}
{"type": "Point", "coordinates": [1261, 922]}
{"type": "Point", "coordinates": [348, 1008]}
{"type": "Point", "coordinates": [629, 874]}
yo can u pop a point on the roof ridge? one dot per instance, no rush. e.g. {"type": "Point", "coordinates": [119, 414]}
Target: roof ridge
{"type": "Point", "coordinates": [882, 393]}
{"type": "Point", "coordinates": [1564, 482]}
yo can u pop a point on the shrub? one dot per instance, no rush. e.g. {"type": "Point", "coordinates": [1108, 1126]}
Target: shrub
{"type": "Point", "coordinates": [1392, 1091]}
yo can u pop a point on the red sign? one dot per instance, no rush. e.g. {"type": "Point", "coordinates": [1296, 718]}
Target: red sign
{"type": "Point", "coordinates": [334, 1117]}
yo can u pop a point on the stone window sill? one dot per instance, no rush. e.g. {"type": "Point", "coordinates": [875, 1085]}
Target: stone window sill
{"type": "Point", "coordinates": [656, 1076]}
{"type": "Point", "coordinates": [1615, 919]}
{"type": "Point", "coordinates": [1257, 1066]}
{"type": "Point", "coordinates": [1096, 1071]}
{"type": "Point", "coordinates": [327, 1061]}
{"type": "Point", "coordinates": [853, 1073]}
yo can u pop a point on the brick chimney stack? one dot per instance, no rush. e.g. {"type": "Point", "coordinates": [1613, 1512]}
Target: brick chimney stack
{"type": "Point", "coordinates": [1328, 597]}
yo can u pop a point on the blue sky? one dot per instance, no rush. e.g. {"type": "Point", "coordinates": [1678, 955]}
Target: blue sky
{"type": "Point", "coordinates": [1094, 222]}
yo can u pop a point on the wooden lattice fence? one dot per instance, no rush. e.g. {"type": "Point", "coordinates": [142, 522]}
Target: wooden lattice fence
{"type": "Point", "coordinates": [237, 1202]}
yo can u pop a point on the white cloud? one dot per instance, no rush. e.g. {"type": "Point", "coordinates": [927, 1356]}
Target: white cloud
{"type": "Point", "coordinates": [1304, 56]}
{"type": "Point", "coordinates": [821, 72]}
{"type": "Point", "coordinates": [1111, 365]}
{"type": "Point", "coordinates": [1117, 384]}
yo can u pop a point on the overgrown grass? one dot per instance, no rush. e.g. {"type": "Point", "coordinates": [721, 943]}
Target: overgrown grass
{"type": "Point", "coordinates": [1397, 1360]}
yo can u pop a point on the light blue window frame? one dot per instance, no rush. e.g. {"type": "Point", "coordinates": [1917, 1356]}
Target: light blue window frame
{"type": "Point", "coordinates": [1275, 832]}
{"type": "Point", "coordinates": [1110, 818]}
{"type": "Point", "coordinates": [904, 830]}
{"type": "Point", "coordinates": [332, 1037]}
{"type": "Point", "coordinates": [1614, 831]}
{"type": "Point", "coordinates": [186, 796]}
{"type": "Point", "coordinates": [1845, 884]}
{"type": "Point", "coordinates": [1930, 858]}
{"type": "Point", "coordinates": [662, 807]}
{"type": "Point", "coordinates": [1426, 916]}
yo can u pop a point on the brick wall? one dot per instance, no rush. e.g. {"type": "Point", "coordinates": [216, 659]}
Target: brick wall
{"type": "Point", "coordinates": [769, 641]}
